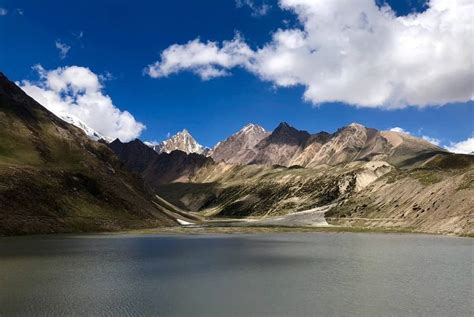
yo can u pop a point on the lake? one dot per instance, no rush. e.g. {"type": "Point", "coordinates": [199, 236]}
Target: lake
{"type": "Point", "coordinates": [288, 274]}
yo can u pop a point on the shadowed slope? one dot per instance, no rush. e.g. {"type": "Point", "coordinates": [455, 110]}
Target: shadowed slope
{"type": "Point", "coordinates": [54, 179]}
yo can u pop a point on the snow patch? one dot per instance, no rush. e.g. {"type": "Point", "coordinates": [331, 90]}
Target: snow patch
{"type": "Point", "coordinates": [184, 223]}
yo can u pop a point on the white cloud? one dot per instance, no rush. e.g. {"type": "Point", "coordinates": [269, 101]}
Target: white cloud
{"type": "Point", "coordinates": [19, 11]}
{"type": "Point", "coordinates": [63, 48]}
{"type": "Point", "coordinates": [78, 91]}
{"type": "Point", "coordinates": [257, 10]}
{"type": "Point", "coordinates": [3, 11]}
{"type": "Point", "coordinates": [351, 51]}
{"type": "Point", "coordinates": [434, 141]}
{"type": "Point", "coordinates": [399, 130]}
{"type": "Point", "coordinates": [207, 60]}
{"type": "Point", "coordinates": [464, 147]}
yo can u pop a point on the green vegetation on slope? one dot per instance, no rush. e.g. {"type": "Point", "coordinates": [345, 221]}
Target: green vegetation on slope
{"type": "Point", "coordinates": [54, 179]}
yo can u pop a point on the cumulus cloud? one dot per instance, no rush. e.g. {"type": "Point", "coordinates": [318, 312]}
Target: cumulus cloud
{"type": "Point", "coordinates": [77, 91]}
{"type": "Point", "coordinates": [63, 48]}
{"type": "Point", "coordinates": [258, 10]}
{"type": "Point", "coordinates": [464, 147]}
{"type": "Point", "coordinates": [3, 11]}
{"type": "Point", "coordinates": [432, 140]}
{"type": "Point", "coordinates": [354, 52]}
{"type": "Point", "coordinates": [207, 60]}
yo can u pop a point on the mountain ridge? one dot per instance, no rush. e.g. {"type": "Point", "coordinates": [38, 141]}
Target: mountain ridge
{"type": "Point", "coordinates": [182, 141]}
{"type": "Point", "coordinates": [158, 168]}
{"type": "Point", "coordinates": [54, 178]}
{"type": "Point", "coordinates": [285, 146]}
{"type": "Point", "coordinates": [288, 146]}
{"type": "Point", "coordinates": [239, 148]}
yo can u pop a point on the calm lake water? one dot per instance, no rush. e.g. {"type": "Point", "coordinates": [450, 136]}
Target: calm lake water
{"type": "Point", "coordinates": [237, 275]}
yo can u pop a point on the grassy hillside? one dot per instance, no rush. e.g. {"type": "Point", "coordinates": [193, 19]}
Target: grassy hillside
{"type": "Point", "coordinates": [437, 196]}
{"type": "Point", "coordinates": [54, 179]}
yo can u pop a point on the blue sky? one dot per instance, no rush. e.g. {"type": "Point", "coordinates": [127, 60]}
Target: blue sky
{"type": "Point", "coordinates": [119, 39]}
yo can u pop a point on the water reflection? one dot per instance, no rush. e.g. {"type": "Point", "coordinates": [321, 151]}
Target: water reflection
{"type": "Point", "coordinates": [287, 274]}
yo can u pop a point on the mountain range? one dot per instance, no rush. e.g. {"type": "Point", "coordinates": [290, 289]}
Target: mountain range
{"type": "Point", "coordinates": [158, 168]}
{"type": "Point", "coordinates": [58, 175]}
{"type": "Point", "coordinates": [288, 146]}
{"type": "Point", "coordinates": [369, 178]}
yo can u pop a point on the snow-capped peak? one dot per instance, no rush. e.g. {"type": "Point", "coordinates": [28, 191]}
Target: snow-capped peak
{"type": "Point", "coordinates": [182, 141]}
{"type": "Point", "coordinates": [252, 128]}
{"type": "Point", "coordinates": [91, 133]}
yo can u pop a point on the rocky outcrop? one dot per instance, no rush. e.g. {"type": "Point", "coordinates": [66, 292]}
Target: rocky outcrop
{"type": "Point", "coordinates": [240, 147]}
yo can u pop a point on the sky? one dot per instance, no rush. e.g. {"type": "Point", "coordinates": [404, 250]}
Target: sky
{"type": "Point", "coordinates": [148, 69]}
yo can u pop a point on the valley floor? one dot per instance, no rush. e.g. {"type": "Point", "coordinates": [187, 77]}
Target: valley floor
{"type": "Point", "coordinates": [228, 228]}
{"type": "Point", "coordinates": [311, 220]}
{"type": "Point", "coordinates": [292, 224]}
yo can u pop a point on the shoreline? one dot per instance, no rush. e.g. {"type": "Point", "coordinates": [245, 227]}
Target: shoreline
{"type": "Point", "coordinates": [197, 230]}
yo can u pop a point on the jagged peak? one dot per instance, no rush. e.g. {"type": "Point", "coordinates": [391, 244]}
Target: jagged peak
{"type": "Point", "coordinates": [356, 125]}
{"type": "Point", "coordinates": [183, 140]}
{"type": "Point", "coordinates": [284, 124]}
{"type": "Point", "coordinates": [252, 127]}
{"type": "Point", "coordinates": [350, 128]}
{"type": "Point", "coordinates": [285, 128]}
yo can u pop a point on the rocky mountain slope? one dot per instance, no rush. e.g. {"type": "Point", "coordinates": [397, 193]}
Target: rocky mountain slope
{"type": "Point", "coordinates": [259, 190]}
{"type": "Point", "coordinates": [435, 197]}
{"type": "Point", "coordinates": [362, 176]}
{"type": "Point", "coordinates": [366, 177]}
{"type": "Point", "coordinates": [281, 145]}
{"type": "Point", "coordinates": [53, 178]}
{"type": "Point", "coordinates": [134, 154]}
{"type": "Point", "coordinates": [156, 169]}
{"type": "Point", "coordinates": [181, 141]}
{"type": "Point", "coordinates": [240, 147]}
{"type": "Point", "coordinates": [358, 143]}
{"type": "Point", "coordinates": [176, 166]}
{"type": "Point", "coordinates": [288, 146]}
